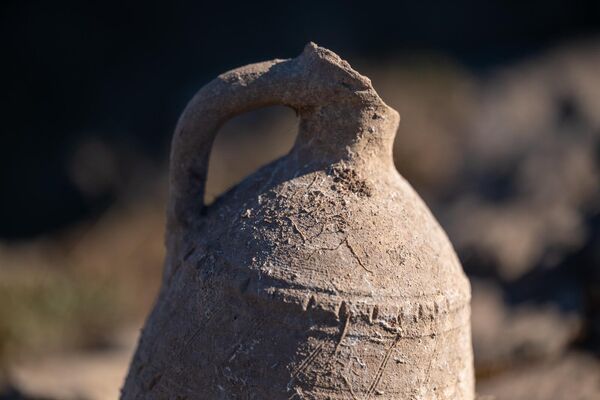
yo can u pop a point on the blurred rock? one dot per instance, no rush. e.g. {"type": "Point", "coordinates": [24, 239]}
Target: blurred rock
{"type": "Point", "coordinates": [504, 336]}
{"type": "Point", "coordinates": [78, 376]}
{"type": "Point", "coordinates": [574, 376]}
{"type": "Point", "coordinates": [532, 170]}
{"type": "Point", "coordinates": [71, 291]}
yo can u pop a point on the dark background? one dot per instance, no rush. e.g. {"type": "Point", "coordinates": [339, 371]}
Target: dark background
{"type": "Point", "coordinates": [122, 71]}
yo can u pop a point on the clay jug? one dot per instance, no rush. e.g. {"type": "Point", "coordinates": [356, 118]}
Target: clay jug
{"type": "Point", "coordinates": [323, 275]}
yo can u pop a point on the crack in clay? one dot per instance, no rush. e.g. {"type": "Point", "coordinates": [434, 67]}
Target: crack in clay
{"type": "Point", "coordinates": [382, 366]}
{"type": "Point", "coordinates": [356, 256]}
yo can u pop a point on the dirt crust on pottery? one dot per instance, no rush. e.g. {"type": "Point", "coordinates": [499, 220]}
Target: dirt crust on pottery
{"type": "Point", "coordinates": [323, 275]}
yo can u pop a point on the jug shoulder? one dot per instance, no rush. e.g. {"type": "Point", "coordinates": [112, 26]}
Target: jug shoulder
{"type": "Point", "coordinates": [336, 235]}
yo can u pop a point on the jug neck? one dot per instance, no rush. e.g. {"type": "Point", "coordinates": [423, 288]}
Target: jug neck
{"type": "Point", "coordinates": [355, 130]}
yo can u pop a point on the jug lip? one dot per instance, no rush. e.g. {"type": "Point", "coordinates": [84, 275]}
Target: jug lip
{"type": "Point", "coordinates": [322, 54]}
{"type": "Point", "coordinates": [316, 59]}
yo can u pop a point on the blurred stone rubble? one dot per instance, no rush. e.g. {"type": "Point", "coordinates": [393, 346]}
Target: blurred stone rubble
{"type": "Point", "coordinates": [508, 162]}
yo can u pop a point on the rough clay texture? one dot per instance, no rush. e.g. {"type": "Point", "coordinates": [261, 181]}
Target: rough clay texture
{"type": "Point", "coordinates": [321, 276]}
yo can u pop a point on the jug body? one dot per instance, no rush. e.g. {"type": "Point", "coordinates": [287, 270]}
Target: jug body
{"type": "Point", "coordinates": [321, 276]}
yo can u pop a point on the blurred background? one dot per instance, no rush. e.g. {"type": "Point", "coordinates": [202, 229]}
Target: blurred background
{"type": "Point", "coordinates": [500, 134]}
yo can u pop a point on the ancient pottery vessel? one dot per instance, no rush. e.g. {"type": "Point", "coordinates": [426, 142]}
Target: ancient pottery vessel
{"type": "Point", "coordinates": [321, 276]}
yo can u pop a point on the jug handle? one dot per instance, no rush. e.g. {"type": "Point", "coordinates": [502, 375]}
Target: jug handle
{"type": "Point", "coordinates": [235, 92]}
{"type": "Point", "coordinates": [303, 83]}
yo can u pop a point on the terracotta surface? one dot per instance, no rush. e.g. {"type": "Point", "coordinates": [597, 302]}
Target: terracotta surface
{"type": "Point", "coordinates": [321, 276]}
